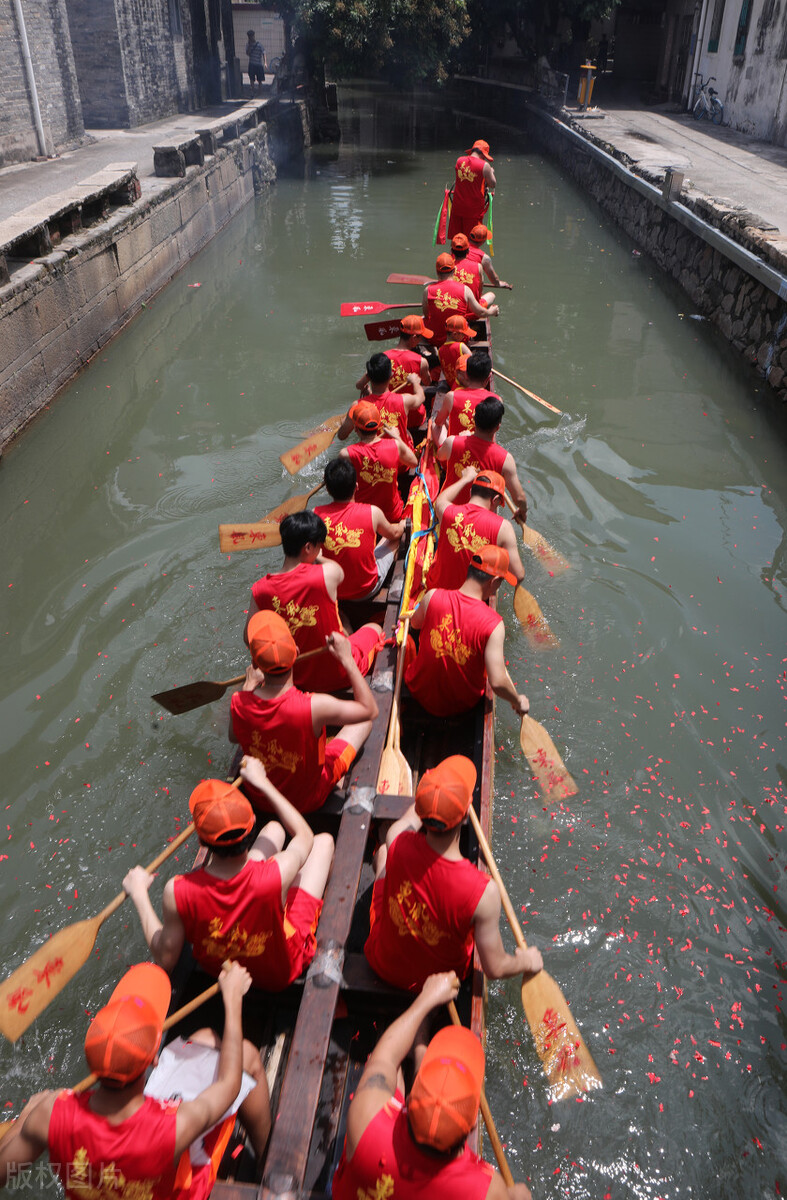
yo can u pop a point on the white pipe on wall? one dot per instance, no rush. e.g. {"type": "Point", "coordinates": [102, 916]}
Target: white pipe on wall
{"type": "Point", "coordinates": [31, 79]}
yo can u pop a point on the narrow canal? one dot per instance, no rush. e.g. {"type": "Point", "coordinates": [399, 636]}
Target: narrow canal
{"type": "Point", "coordinates": [655, 892]}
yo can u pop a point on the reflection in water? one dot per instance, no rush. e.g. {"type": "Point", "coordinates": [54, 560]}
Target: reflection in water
{"type": "Point", "coordinates": [655, 891]}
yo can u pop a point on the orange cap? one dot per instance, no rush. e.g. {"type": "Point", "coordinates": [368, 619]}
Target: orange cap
{"type": "Point", "coordinates": [493, 560]}
{"type": "Point", "coordinates": [365, 416]}
{"type": "Point", "coordinates": [458, 324]}
{"type": "Point", "coordinates": [444, 264]}
{"type": "Point", "coordinates": [479, 234]}
{"type": "Point", "coordinates": [222, 815]}
{"type": "Point", "coordinates": [483, 148]}
{"type": "Point", "coordinates": [443, 1104]}
{"type": "Point", "coordinates": [123, 1037]}
{"type": "Point", "coordinates": [415, 324]}
{"type": "Point", "coordinates": [459, 242]}
{"type": "Point", "coordinates": [272, 646]}
{"type": "Point", "coordinates": [444, 793]}
{"type": "Point", "coordinates": [492, 480]}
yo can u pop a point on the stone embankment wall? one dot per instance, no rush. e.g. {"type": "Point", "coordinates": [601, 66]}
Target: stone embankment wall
{"type": "Point", "coordinates": [58, 310]}
{"type": "Point", "coordinates": [751, 314]}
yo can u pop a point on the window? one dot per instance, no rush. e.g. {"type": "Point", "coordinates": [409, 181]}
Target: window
{"type": "Point", "coordinates": [715, 26]}
{"type": "Point", "coordinates": [175, 24]}
{"type": "Point", "coordinates": [743, 29]}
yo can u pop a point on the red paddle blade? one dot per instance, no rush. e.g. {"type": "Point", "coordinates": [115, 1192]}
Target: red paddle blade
{"type": "Point", "coordinates": [367, 308]}
{"type": "Point", "coordinates": [382, 331]}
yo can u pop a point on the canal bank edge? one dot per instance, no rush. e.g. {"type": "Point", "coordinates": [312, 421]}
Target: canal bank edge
{"type": "Point", "coordinates": [62, 307]}
{"type": "Point", "coordinates": [739, 285]}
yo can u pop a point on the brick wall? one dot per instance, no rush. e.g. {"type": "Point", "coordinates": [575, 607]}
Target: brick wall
{"type": "Point", "coordinates": [56, 81]}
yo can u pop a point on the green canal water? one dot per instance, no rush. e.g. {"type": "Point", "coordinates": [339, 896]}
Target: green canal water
{"type": "Point", "coordinates": [655, 892]}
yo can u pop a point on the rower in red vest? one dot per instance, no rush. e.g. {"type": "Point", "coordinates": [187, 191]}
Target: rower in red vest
{"type": "Point", "coordinates": [462, 642]}
{"type": "Point", "coordinates": [395, 408]}
{"type": "Point", "coordinates": [482, 451]}
{"type": "Point", "coordinates": [377, 457]}
{"type": "Point", "coordinates": [455, 352]}
{"type": "Point", "coordinates": [475, 182]}
{"type": "Point", "coordinates": [116, 1134]}
{"type": "Point", "coordinates": [456, 409]}
{"type": "Point", "coordinates": [467, 271]}
{"type": "Point", "coordinates": [467, 528]}
{"type": "Point", "coordinates": [285, 728]}
{"type": "Point", "coordinates": [477, 237]}
{"type": "Point", "coordinates": [430, 906]}
{"type": "Point", "coordinates": [418, 1151]}
{"type": "Point", "coordinates": [305, 593]}
{"type": "Point", "coordinates": [255, 901]}
{"type": "Point", "coordinates": [447, 297]}
{"type": "Point", "coordinates": [407, 360]}
{"type": "Point", "coordinates": [353, 530]}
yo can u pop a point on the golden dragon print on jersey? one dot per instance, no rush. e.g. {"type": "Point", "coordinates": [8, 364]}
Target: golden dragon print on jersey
{"type": "Point", "coordinates": [446, 642]}
{"type": "Point", "coordinates": [412, 918]}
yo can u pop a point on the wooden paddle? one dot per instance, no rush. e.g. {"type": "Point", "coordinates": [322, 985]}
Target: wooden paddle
{"type": "Point", "coordinates": [368, 308]}
{"type": "Point", "coordinates": [34, 985]}
{"type": "Point", "coordinates": [183, 699]}
{"type": "Point", "coordinates": [394, 774]}
{"type": "Point", "coordinates": [533, 621]}
{"type": "Point", "coordinates": [266, 532]}
{"type": "Point", "coordinates": [532, 395]}
{"type": "Point", "coordinates": [313, 444]}
{"type": "Point", "coordinates": [175, 1017]}
{"type": "Point", "coordinates": [486, 1113]}
{"type": "Point", "coordinates": [545, 762]}
{"type": "Point", "coordinates": [420, 279]}
{"type": "Point", "coordinates": [552, 559]}
{"type": "Point", "coordinates": [567, 1062]}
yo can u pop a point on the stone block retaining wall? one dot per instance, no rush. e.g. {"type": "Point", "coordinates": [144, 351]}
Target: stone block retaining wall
{"type": "Point", "coordinates": [59, 310]}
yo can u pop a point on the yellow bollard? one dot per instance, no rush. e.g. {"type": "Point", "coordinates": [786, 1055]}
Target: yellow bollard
{"type": "Point", "coordinates": [586, 82]}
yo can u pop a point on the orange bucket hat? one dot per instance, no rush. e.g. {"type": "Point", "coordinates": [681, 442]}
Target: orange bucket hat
{"type": "Point", "coordinates": [442, 1106]}
{"type": "Point", "coordinates": [458, 324]}
{"type": "Point", "coordinates": [272, 646]}
{"type": "Point", "coordinates": [492, 480]}
{"type": "Point", "coordinates": [123, 1037]}
{"type": "Point", "coordinates": [479, 234]}
{"type": "Point", "coordinates": [414, 324]}
{"type": "Point", "coordinates": [365, 416]}
{"type": "Point", "coordinates": [222, 815]}
{"type": "Point", "coordinates": [483, 148]}
{"type": "Point", "coordinates": [444, 264]}
{"type": "Point", "coordinates": [444, 793]}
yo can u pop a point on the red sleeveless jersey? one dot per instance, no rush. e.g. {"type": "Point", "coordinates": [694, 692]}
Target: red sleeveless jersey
{"type": "Point", "coordinates": [472, 451]}
{"type": "Point", "coordinates": [469, 273]}
{"type": "Point", "coordinates": [445, 298]}
{"type": "Point", "coordinates": [301, 597]}
{"type": "Point", "coordinates": [350, 542]}
{"type": "Point", "coordinates": [448, 674]}
{"type": "Point", "coordinates": [451, 354]}
{"type": "Point", "coordinates": [464, 530]}
{"type": "Point", "coordinates": [95, 1158]}
{"type": "Point", "coordinates": [425, 918]}
{"type": "Point", "coordinates": [393, 414]}
{"type": "Point", "coordinates": [240, 918]}
{"type": "Point", "coordinates": [389, 1163]}
{"type": "Point", "coordinates": [469, 187]}
{"type": "Point", "coordinates": [475, 254]}
{"type": "Point", "coordinates": [279, 732]}
{"type": "Point", "coordinates": [406, 362]}
{"type": "Point", "coordinates": [377, 466]}
{"type": "Point", "coordinates": [461, 418]}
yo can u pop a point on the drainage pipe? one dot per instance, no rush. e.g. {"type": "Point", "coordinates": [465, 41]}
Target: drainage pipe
{"type": "Point", "coordinates": [31, 79]}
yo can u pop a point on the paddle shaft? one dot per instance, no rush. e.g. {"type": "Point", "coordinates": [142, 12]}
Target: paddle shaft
{"type": "Point", "coordinates": [532, 395]}
{"type": "Point", "coordinates": [225, 683]}
{"type": "Point", "coordinates": [497, 1147]}
{"type": "Point", "coordinates": [508, 907]}
{"type": "Point", "coordinates": [179, 1015]}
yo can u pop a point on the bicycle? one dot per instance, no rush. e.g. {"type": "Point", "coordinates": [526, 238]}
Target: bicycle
{"type": "Point", "coordinates": [707, 103]}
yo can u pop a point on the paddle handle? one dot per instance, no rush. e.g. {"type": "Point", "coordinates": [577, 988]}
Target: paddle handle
{"type": "Point", "coordinates": [508, 907]}
{"type": "Point", "coordinates": [532, 395]}
{"type": "Point", "coordinates": [497, 1146]}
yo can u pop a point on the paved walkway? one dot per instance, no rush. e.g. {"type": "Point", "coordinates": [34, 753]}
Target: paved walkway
{"type": "Point", "coordinates": [721, 163]}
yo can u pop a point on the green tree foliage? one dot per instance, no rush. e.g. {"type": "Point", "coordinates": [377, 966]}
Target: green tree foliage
{"type": "Point", "coordinates": [399, 40]}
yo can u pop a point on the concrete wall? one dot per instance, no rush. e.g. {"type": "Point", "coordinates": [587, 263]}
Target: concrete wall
{"type": "Point", "coordinates": [54, 70]}
{"type": "Point", "coordinates": [753, 85]}
{"type": "Point", "coordinates": [59, 310]}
